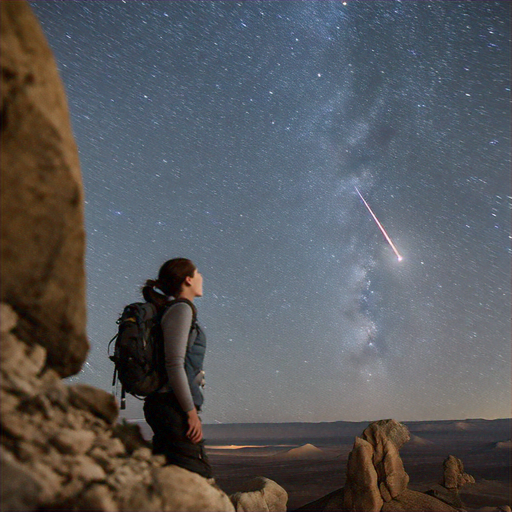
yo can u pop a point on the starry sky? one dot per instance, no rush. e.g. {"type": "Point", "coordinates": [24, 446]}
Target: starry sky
{"type": "Point", "coordinates": [235, 133]}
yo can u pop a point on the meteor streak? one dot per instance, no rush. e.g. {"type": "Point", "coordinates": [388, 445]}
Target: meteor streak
{"type": "Point", "coordinates": [395, 250]}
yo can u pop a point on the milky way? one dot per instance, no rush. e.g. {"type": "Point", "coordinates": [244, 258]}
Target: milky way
{"type": "Point", "coordinates": [235, 133]}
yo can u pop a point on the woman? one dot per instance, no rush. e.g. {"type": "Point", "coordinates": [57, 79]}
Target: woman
{"type": "Point", "coordinates": [172, 412]}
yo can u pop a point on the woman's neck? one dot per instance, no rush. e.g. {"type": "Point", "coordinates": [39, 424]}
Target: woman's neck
{"type": "Point", "coordinates": [184, 295]}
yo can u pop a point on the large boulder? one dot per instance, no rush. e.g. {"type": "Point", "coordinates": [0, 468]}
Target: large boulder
{"type": "Point", "coordinates": [42, 237]}
{"type": "Point", "coordinates": [176, 489]}
{"type": "Point", "coordinates": [59, 449]}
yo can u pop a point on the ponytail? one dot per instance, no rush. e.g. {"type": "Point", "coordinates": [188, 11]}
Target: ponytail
{"type": "Point", "coordinates": [151, 295]}
{"type": "Point", "coordinates": [171, 277]}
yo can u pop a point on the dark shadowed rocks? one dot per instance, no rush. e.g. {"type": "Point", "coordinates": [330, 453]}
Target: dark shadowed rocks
{"type": "Point", "coordinates": [413, 501]}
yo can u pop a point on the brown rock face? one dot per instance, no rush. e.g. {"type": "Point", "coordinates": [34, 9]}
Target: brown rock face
{"type": "Point", "coordinates": [361, 489]}
{"type": "Point", "coordinates": [387, 437]}
{"type": "Point", "coordinates": [42, 236]}
{"type": "Point", "coordinates": [375, 472]}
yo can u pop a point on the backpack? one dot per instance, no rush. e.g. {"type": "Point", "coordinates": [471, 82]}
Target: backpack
{"type": "Point", "coordinates": [138, 350]}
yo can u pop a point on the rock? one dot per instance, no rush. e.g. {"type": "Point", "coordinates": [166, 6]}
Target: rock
{"type": "Point", "coordinates": [454, 476]}
{"type": "Point", "coordinates": [75, 442]}
{"type": "Point", "coordinates": [387, 437]}
{"type": "Point", "coordinates": [176, 489]}
{"type": "Point", "coordinates": [50, 481]}
{"type": "Point", "coordinates": [97, 498]}
{"type": "Point", "coordinates": [260, 495]}
{"type": "Point", "coordinates": [42, 239]}
{"type": "Point", "coordinates": [361, 490]}
{"type": "Point", "coordinates": [20, 361]}
{"type": "Point", "coordinates": [8, 318]}
{"type": "Point", "coordinates": [453, 479]}
{"type": "Point", "coordinates": [96, 400]}
{"type": "Point", "coordinates": [19, 490]}
{"type": "Point", "coordinates": [142, 454]}
{"type": "Point", "coordinates": [130, 435]}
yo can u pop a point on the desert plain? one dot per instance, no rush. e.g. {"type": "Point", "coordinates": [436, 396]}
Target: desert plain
{"type": "Point", "coordinates": [309, 459]}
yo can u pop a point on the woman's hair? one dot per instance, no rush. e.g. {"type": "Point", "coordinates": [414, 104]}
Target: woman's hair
{"type": "Point", "coordinates": [171, 277]}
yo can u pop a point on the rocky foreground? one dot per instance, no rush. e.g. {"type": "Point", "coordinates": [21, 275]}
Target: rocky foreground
{"type": "Point", "coordinates": [61, 448]}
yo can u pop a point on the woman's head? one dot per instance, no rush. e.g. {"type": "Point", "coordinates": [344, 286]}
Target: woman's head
{"type": "Point", "coordinates": [177, 277]}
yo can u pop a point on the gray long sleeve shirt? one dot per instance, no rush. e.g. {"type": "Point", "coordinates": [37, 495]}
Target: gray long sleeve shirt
{"type": "Point", "coordinates": [176, 324]}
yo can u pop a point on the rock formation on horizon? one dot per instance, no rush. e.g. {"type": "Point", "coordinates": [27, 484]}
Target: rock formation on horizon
{"type": "Point", "coordinates": [376, 479]}
{"type": "Point", "coordinates": [59, 449]}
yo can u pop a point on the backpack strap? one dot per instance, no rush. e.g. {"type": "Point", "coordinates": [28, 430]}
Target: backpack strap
{"type": "Point", "coordinates": [176, 301]}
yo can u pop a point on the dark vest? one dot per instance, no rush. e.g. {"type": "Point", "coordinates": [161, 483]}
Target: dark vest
{"type": "Point", "coordinates": [194, 357]}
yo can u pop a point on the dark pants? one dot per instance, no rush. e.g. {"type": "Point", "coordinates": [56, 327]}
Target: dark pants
{"type": "Point", "coordinates": [170, 424]}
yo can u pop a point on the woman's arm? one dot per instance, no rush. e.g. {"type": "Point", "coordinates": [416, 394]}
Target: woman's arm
{"type": "Point", "coordinates": [176, 324]}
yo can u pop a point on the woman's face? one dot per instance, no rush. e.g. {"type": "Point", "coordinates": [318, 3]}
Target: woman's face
{"type": "Point", "coordinates": [196, 284]}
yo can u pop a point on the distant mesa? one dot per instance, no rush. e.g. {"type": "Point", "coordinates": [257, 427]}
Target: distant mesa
{"type": "Point", "coordinates": [307, 451]}
{"type": "Point", "coordinates": [462, 425]}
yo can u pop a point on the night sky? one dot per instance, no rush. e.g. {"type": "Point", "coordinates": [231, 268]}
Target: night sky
{"type": "Point", "coordinates": [235, 133]}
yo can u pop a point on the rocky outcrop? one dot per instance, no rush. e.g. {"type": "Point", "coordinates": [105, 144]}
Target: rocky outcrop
{"type": "Point", "coordinates": [376, 479]}
{"type": "Point", "coordinates": [375, 472]}
{"type": "Point", "coordinates": [260, 495]}
{"type": "Point", "coordinates": [59, 450]}
{"type": "Point", "coordinates": [42, 238]}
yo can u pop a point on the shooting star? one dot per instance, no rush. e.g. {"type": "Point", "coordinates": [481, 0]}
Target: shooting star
{"type": "Point", "coordinates": [395, 250]}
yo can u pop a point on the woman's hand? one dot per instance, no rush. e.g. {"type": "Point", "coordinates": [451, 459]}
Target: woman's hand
{"type": "Point", "coordinates": [195, 429]}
